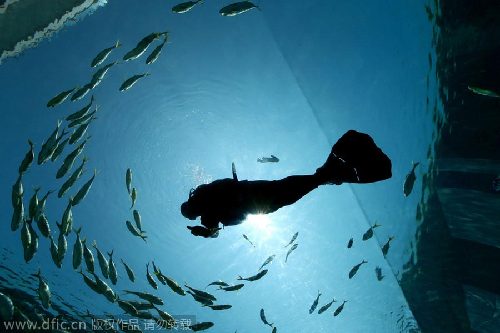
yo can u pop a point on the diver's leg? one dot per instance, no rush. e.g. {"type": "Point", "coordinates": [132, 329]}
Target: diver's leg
{"type": "Point", "coordinates": [269, 196]}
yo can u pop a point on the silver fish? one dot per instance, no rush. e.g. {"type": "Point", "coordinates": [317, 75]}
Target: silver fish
{"type": "Point", "coordinates": [369, 233]}
{"type": "Point", "coordinates": [133, 230]}
{"type": "Point", "coordinates": [79, 132]}
{"type": "Point", "coordinates": [293, 239]}
{"type": "Point", "coordinates": [201, 326]}
{"type": "Point", "coordinates": [237, 8]}
{"type": "Point", "coordinates": [77, 250]}
{"type": "Point", "coordinates": [128, 83]}
{"type": "Point", "coordinates": [128, 181]}
{"type": "Point", "coordinates": [82, 112]}
{"type": "Point", "coordinates": [101, 56]}
{"type": "Point", "coordinates": [59, 98]}
{"type": "Point", "coordinates": [28, 158]}
{"type": "Point", "coordinates": [113, 274]}
{"type": "Point", "coordinates": [137, 219]}
{"type": "Point", "coordinates": [255, 277]}
{"type": "Point", "coordinates": [59, 149]}
{"type": "Point", "coordinates": [378, 273]}
{"type": "Point", "coordinates": [81, 92]}
{"type": "Point", "coordinates": [70, 159]}
{"type": "Point", "coordinates": [354, 270]}
{"type": "Point", "coordinates": [99, 75]}
{"type": "Point", "coordinates": [201, 293]}
{"type": "Point", "coordinates": [294, 246]}
{"type": "Point", "coordinates": [62, 244]}
{"type": "Point", "coordinates": [130, 272]}
{"type": "Point", "coordinates": [33, 246]}
{"type": "Point", "coordinates": [410, 180]}
{"type": "Point", "coordinates": [88, 256]}
{"type": "Point", "coordinates": [339, 309]}
{"type": "Point", "coordinates": [133, 196]}
{"type": "Point", "coordinates": [484, 92]}
{"type": "Point", "coordinates": [233, 288]}
{"type": "Point", "coordinates": [43, 290]}
{"type": "Point", "coordinates": [54, 252]}
{"type": "Point", "coordinates": [156, 52]}
{"type": "Point", "coordinates": [72, 179]}
{"type": "Point", "coordinates": [245, 236]}
{"type": "Point", "coordinates": [43, 225]}
{"type": "Point", "coordinates": [185, 6]}
{"type": "Point", "coordinates": [315, 303]}
{"type": "Point", "coordinates": [142, 46]}
{"type": "Point", "coordinates": [264, 319]}
{"type": "Point", "coordinates": [150, 279]}
{"type": "Point", "coordinates": [326, 306]}
{"type": "Point", "coordinates": [146, 296]}
{"type": "Point", "coordinates": [103, 263]}
{"type": "Point", "coordinates": [218, 283]}
{"type": "Point", "coordinates": [82, 192]}
{"type": "Point", "coordinates": [268, 261]}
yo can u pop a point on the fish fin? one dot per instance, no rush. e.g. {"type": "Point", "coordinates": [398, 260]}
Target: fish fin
{"type": "Point", "coordinates": [118, 44]}
{"type": "Point", "coordinates": [239, 277]}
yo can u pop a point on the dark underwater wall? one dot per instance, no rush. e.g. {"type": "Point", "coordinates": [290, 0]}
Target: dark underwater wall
{"type": "Point", "coordinates": [453, 287]}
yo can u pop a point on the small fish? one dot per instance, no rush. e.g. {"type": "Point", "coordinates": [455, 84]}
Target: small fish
{"type": "Point", "coordinates": [201, 293]}
{"type": "Point", "coordinates": [483, 92]}
{"type": "Point", "coordinates": [43, 225]}
{"type": "Point", "coordinates": [232, 288]}
{"type": "Point", "coordinates": [28, 158]}
{"type": "Point", "coordinates": [104, 289]}
{"type": "Point", "coordinates": [245, 236]}
{"type": "Point", "coordinates": [275, 329]}
{"type": "Point", "coordinates": [128, 181]}
{"type": "Point", "coordinates": [174, 286]}
{"type": "Point", "coordinates": [41, 204]}
{"type": "Point", "coordinates": [272, 159]}
{"type": "Point", "coordinates": [127, 307]}
{"type": "Point", "coordinates": [185, 6]}
{"type": "Point", "coordinates": [128, 83]}
{"type": "Point", "coordinates": [17, 216]}
{"type": "Point", "coordinates": [67, 218]}
{"type": "Point", "coordinates": [33, 246]}
{"type": "Point", "coordinates": [43, 290]}
{"type": "Point", "coordinates": [44, 154]}
{"type": "Point", "coordinates": [62, 244]}
{"type": "Point", "coordinates": [142, 46]}
{"type": "Point", "coordinates": [98, 76]}
{"type": "Point", "coordinates": [294, 246]}
{"type": "Point", "coordinates": [83, 120]}
{"type": "Point", "coordinates": [89, 258]}
{"type": "Point", "coordinates": [70, 159]}
{"type": "Point", "coordinates": [103, 263]}
{"type": "Point", "coordinates": [72, 179]}
{"type": "Point", "coordinates": [218, 283]}
{"type": "Point", "coordinates": [82, 193]}
{"type": "Point", "coordinates": [201, 326]}
{"type": "Point", "coordinates": [80, 93]}
{"type": "Point", "coordinates": [59, 98]}
{"type": "Point", "coordinates": [137, 219]}
{"type": "Point", "coordinates": [349, 244]}
{"type": "Point", "coordinates": [339, 309]}
{"type": "Point", "coordinates": [264, 319]}
{"type": "Point", "coordinates": [315, 303]}
{"type": "Point", "coordinates": [387, 245]}
{"type": "Point", "coordinates": [133, 230]}
{"type": "Point", "coordinates": [237, 8]}
{"type": "Point", "coordinates": [220, 307]}
{"type": "Point", "coordinates": [165, 316]}
{"type": "Point", "coordinates": [378, 273]}
{"type": "Point", "coordinates": [410, 180]}
{"type": "Point", "coordinates": [151, 281]}
{"type": "Point", "coordinates": [326, 307]}
{"type": "Point", "coordinates": [369, 233]}
{"type": "Point", "coordinates": [146, 296]}
{"type": "Point", "coordinates": [133, 196]}
{"type": "Point", "coordinates": [200, 299]}
{"type": "Point", "coordinates": [113, 274]}
{"type": "Point", "coordinates": [6, 307]}
{"type": "Point", "coordinates": [268, 261]}
{"type": "Point", "coordinates": [82, 112]}
{"type": "Point", "coordinates": [79, 132]}
{"type": "Point", "coordinates": [33, 204]}
{"type": "Point", "coordinates": [89, 282]}
{"type": "Point", "coordinates": [142, 305]}
{"type": "Point", "coordinates": [255, 277]}
{"type": "Point", "coordinates": [354, 270]}
{"type": "Point", "coordinates": [77, 250]}
{"type": "Point", "coordinates": [17, 191]}
{"type": "Point", "coordinates": [156, 52]}
{"type": "Point", "coordinates": [54, 252]}
{"type": "Point", "coordinates": [129, 270]}
{"type": "Point", "coordinates": [101, 56]}
{"type": "Point", "coordinates": [25, 237]}
{"type": "Point", "coordinates": [292, 240]}
{"type": "Point", "coordinates": [59, 149]}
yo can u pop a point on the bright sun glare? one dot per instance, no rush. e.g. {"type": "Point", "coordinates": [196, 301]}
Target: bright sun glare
{"type": "Point", "coordinates": [261, 224]}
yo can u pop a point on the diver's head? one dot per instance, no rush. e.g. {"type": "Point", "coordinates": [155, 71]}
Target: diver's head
{"type": "Point", "coordinates": [188, 211]}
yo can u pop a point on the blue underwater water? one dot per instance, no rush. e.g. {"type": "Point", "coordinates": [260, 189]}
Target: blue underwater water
{"type": "Point", "coordinates": [289, 80]}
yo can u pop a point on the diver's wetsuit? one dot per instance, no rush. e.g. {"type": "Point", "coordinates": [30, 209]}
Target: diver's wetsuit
{"type": "Point", "coordinates": [354, 159]}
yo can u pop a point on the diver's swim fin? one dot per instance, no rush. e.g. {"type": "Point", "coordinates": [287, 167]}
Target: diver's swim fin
{"type": "Point", "coordinates": [355, 158]}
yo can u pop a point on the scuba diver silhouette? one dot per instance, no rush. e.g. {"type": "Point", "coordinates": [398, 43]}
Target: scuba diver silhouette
{"type": "Point", "coordinates": [355, 158]}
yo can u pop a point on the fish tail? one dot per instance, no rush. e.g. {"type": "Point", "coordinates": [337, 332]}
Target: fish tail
{"type": "Point", "coordinates": [143, 237]}
{"type": "Point", "coordinates": [38, 274]}
{"type": "Point", "coordinates": [110, 254]}
{"type": "Point", "coordinates": [77, 231]}
{"type": "Point", "coordinates": [30, 143]}
{"type": "Point", "coordinates": [94, 244]}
